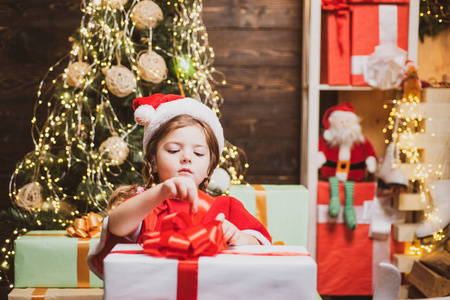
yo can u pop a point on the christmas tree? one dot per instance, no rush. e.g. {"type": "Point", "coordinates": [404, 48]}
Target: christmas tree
{"type": "Point", "coordinates": [434, 17]}
{"type": "Point", "coordinates": [86, 141]}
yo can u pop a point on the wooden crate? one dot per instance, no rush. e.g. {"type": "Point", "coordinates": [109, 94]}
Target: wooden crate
{"type": "Point", "coordinates": [430, 283]}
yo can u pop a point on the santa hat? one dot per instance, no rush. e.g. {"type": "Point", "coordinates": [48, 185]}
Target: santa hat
{"type": "Point", "coordinates": [341, 109]}
{"type": "Point", "coordinates": [155, 110]}
{"type": "Point", "coordinates": [409, 63]}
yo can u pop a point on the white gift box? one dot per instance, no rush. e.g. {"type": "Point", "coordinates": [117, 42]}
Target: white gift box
{"type": "Point", "coordinates": [292, 275]}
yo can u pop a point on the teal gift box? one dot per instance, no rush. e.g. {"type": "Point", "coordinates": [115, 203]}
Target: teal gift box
{"type": "Point", "coordinates": [283, 209]}
{"type": "Point", "coordinates": [51, 258]}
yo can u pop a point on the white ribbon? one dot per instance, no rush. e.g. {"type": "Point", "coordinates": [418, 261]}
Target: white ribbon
{"type": "Point", "coordinates": [360, 210]}
{"type": "Point", "coordinates": [388, 27]}
{"type": "Point", "coordinates": [387, 32]}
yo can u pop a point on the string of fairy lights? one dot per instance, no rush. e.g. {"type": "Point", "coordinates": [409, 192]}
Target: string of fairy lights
{"type": "Point", "coordinates": [405, 124]}
{"type": "Point", "coordinates": [108, 61]}
{"type": "Point", "coordinates": [437, 10]}
{"type": "Point", "coordinates": [199, 52]}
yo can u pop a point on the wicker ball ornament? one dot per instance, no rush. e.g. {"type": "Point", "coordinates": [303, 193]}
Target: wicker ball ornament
{"type": "Point", "coordinates": [97, 3]}
{"type": "Point", "coordinates": [146, 14]}
{"type": "Point", "coordinates": [75, 73]}
{"type": "Point", "coordinates": [120, 81]}
{"type": "Point", "coordinates": [116, 4]}
{"type": "Point", "coordinates": [152, 66]}
{"type": "Point", "coordinates": [29, 196]}
{"type": "Point", "coordinates": [116, 149]}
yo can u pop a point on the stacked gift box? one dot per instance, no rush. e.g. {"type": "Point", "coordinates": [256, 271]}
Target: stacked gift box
{"type": "Point", "coordinates": [351, 256]}
{"type": "Point", "coordinates": [52, 264]}
{"type": "Point", "coordinates": [282, 209]}
{"type": "Point", "coordinates": [351, 29]}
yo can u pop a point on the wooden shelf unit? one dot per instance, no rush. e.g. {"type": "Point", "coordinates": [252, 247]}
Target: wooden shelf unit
{"type": "Point", "coordinates": [311, 89]}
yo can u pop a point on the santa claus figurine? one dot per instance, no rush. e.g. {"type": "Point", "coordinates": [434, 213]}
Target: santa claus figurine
{"type": "Point", "coordinates": [344, 155]}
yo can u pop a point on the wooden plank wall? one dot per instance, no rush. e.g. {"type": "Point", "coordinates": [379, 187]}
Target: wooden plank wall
{"type": "Point", "coordinates": [33, 36]}
{"type": "Point", "coordinates": [433, 58]}
{"type": "Point", "coordinates": [257, 46]}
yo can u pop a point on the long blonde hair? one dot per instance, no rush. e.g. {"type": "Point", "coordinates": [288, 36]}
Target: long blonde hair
{"type": "Point", "coordinates": [150, 177]}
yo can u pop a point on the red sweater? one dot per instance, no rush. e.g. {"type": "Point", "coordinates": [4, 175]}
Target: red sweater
{"type": "Point", "coordinates": [232, 208]}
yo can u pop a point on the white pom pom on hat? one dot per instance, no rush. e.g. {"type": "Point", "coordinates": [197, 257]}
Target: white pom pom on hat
{"type": "Point", "coordinates": [144, 114]}
{"type": "Point", "coordinates": [155, 110]}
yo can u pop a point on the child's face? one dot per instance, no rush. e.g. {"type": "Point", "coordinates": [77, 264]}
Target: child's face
{"type": "Point", "coordinates": [183, 152]}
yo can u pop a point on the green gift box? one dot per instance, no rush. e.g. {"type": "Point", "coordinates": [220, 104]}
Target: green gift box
{"type": "Point", "coordinates": [51, 258]}
{"type": "Point", "coordinates": [283, 209]}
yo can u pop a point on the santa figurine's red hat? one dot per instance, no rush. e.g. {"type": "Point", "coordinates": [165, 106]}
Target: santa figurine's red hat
{"type": "Point", "coordinates": [341, 109]}
{"type": "Point", "coordinates": [155, 110]}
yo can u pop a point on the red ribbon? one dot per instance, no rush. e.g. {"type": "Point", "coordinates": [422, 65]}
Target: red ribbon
{"type": "Point", "coordinates": [183, 237]}
{"type": "Point", "coordinates": [205, 202]}
{"type": "Point", "coordinates": [187, 281]}
{"type": "Point", "coordinates": [337, 7]}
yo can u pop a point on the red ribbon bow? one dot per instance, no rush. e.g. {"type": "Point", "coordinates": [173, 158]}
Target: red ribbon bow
{"type": "Point", "coordinates": [337, 7]}
{"type": "Point", "coordinates": [179, 238]}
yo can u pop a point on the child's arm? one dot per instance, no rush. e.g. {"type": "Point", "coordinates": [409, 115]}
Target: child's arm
{"type": "Point", "coordinates": [126, 217]}
{"type": "Point", "coordinates": [233, 236]}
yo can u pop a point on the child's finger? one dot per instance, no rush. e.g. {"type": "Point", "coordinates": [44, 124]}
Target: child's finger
{"type": "Point", "coordinates": [227, 230]}
{"type": "Point", "coordinates": [220, 217]}
{"type": "Point", "coordinates": [171, 189]}
{"type": "Point", "coordinates": [182, 192]}
{"type": "Point", "coordinates": [192, 197]}
{"type": "Point", "coordinates": [227, 234]}
{"type": "Point", "coordinates": [234, 238]}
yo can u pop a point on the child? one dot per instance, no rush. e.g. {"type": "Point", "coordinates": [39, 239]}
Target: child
{"type": "Point", "coordinates": [182, 143]}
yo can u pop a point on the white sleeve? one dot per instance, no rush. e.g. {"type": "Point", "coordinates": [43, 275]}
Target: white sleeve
{"type": "Point", "coordinates": [257, 235]}
{"type": "Point", "coordinates": [134, 236]}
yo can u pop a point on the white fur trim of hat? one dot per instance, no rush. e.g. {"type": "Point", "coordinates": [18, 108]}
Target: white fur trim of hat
{"type": "Point", "coordinates": [157, 109]}
{"type": "Point", "coordinates": [340, 110]}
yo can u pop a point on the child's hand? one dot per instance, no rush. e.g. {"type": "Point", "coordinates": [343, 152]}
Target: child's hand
{"type": "Point", "coordinates": [232, 235]}
{"type": "Point", "coordinates": [181, 188]}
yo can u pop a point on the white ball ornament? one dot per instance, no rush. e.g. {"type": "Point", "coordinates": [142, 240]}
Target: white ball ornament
{"type": "Point", "coordinates": [120, 81]}
{"type": "Point", "coordinates": [220, 181]}
{"type": "Point", "coordinates": [146, 14]}
{"type": "Point", "coordinates": [152, 66]}
{"type": "Point", "coordinates": [116, 149]}
{"type": "Point", "coordinates": [75, 73]}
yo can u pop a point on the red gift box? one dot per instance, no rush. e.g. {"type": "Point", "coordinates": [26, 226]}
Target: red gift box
{"type": "Point", "coordinates": [378, 1]}
{"type": "Point", "coordinates": [335, 49]}
{"type": "Point", "coordinates": [347, 261]}
{"type": "Point", "coordinates": [373, 25]}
